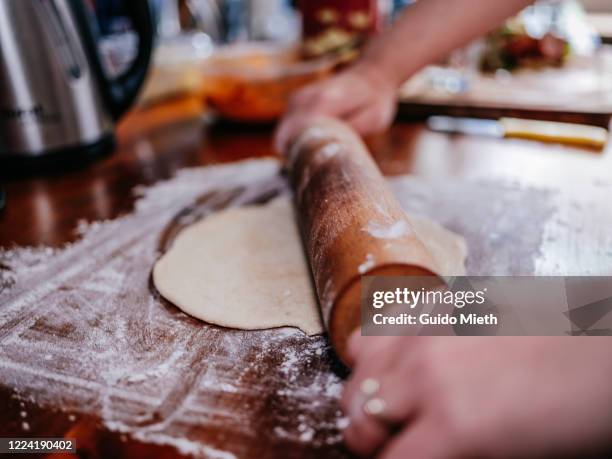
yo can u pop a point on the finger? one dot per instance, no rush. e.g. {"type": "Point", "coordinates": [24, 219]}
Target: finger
{"type": "Point", "coordinates": [394, 401]}
{"type": "Point", "coordinates": [389, 399]}
{"type": "Point", "coordinates": [338, 96]}
{"type": "Point", "coordinates": [369, 428]}
{"type": "Point", "coordinates": [418, 439]}
{"type": "Point", "coordinates": [354, 346]}
{"type": "Point", "coordinates": [364, 433]}
{"type": "Point", "coordinates": [286, 131]}
{"type": "Point", "coordinates": [363, 437]}
{"type": "Point", "coordinates": [376, 359]}
{"type": "Point", "coordinates": [305, 97]}
{"type": "Point", "coordinates": [371, 119]}
{"type": "Point", "coordinates": [311, 98]}
{"type": "Point", "coordinates": [302, 107]}
{"type": "Point", "coordinates": [397, 397]}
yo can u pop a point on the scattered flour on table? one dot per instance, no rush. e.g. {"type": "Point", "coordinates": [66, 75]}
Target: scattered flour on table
{"type": "Point", "coordinates": [81, 330]}
{"type": "Point", "coordinates": [502, 221]}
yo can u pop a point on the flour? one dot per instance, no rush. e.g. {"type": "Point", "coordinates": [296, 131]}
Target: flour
{"type": "Point", "coordinates": [502, 221]}
{"type": "Point", "coordinates": [81, 330]}
{"type": "Point", "coordinates": [330, 150]}
{"type": "Point", "coordinates": [394, 230]}
{"type": "Point", "coordinates": [367, 264]}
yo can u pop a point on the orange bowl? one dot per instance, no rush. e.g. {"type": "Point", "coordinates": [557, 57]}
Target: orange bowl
{"type": "Point", "coordinates": [253, 83]}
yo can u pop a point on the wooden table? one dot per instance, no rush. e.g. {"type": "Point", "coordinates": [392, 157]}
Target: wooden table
{"type": "Point", "coordinates": [524, 207]}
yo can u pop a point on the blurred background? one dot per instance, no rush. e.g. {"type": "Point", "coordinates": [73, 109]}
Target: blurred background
{"type": "Point", "coordinates": [242, 59]}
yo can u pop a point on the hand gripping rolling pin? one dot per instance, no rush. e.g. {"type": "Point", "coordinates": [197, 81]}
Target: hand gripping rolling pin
{"type": "Point", "coordinates": [351, 223]}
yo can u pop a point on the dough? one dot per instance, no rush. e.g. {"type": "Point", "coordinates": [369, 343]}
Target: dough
{"type": "Point", "coordinates": [448, 249]}
{"type": "Point", "coordinates": [242, 268]}
{"type": "Point", "coordinates": [245, 268]}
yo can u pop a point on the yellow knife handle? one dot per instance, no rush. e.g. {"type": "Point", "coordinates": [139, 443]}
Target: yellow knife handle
{"type": "Point", "coordinates": [555, 132]}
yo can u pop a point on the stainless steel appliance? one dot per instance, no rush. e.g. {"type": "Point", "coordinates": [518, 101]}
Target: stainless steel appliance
{"type": "Point", "coordinates": [55, 98]}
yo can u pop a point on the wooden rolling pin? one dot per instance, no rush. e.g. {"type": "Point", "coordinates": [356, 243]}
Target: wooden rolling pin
{"type": "Point", "coordinates": [351, 223]}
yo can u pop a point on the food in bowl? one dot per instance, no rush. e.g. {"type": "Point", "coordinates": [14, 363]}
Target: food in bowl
{"type": "Point", "coordinates": [253, 83]}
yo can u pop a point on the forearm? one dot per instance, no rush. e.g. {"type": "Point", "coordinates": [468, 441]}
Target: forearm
{"type": "Point", "coordinates": [429, 30]}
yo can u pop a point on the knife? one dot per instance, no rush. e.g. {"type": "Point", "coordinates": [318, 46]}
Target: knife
{"type": "Point", "coordinates": [545, 131]}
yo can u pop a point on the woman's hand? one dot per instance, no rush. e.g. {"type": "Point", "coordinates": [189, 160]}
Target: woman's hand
{"type": "Point", "coordinates": [465, 397]}
{"type": "Point", "coordinates": [365, 94]}
{"type": "Point", "coordinates": [361, 96]}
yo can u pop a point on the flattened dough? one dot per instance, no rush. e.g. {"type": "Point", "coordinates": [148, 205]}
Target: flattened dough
{"type": "Point", "coordinates": [245, 268]}
{"type": "Point", "coordinates": [448, 249]}
{"type": "Point", "coordinates": [242, 268]}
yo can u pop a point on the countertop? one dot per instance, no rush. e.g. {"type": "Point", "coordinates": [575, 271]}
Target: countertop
{"type": "Point", "coordinates": [550, 204]}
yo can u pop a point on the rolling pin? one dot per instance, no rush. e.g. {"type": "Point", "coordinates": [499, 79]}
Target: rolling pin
{"type": "Point", "coordinates": [351, 223]}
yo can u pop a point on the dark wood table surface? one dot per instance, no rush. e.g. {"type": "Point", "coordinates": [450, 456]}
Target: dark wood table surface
{"type": "Point", "coordinates": [573, 232]}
